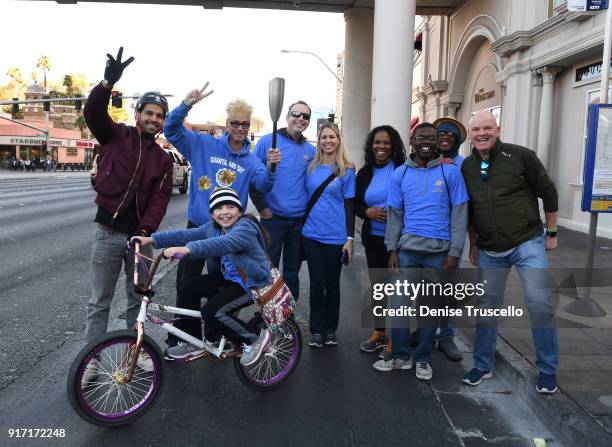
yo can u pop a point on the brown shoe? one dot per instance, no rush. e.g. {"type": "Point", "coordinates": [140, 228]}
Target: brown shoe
{"type": "Point", "coordinates": [375, 342]}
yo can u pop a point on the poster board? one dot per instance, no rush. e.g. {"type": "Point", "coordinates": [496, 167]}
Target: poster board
{"type": "Point", "coordinates": [597, 191]}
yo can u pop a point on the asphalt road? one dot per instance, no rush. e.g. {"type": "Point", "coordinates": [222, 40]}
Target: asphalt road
{"type": "Point", "coordinates": [334, 398]}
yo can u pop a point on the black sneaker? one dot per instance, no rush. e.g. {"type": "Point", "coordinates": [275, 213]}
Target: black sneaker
{"type": "Point", "coordinates": [331, 339]}
{"type": "Point", "coordinates": [316, 341]}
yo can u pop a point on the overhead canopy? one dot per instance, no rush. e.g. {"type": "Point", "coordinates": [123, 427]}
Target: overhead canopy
{"type": "Point", "coordinates": [424, 7]}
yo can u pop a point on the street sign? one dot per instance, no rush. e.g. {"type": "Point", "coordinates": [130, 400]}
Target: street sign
{"type": "Point", "coordinates": [587, 5]}
{"type": "Point", "coordinates": [597, 191]}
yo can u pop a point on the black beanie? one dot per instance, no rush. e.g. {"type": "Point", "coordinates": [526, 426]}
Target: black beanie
{"type": "Point", "coordinates": [223, 196]}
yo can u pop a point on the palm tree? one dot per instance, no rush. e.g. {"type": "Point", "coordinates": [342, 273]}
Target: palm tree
{"type": "Point", "coordinates": [45, 65]}
{"type": "Point", "coordinates": [69, 84]}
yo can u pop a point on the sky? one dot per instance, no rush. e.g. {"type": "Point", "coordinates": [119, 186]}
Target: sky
{"type": "Point", "coordinates": [179, 48]}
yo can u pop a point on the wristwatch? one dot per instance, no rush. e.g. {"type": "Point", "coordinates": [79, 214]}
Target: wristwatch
{"type": "Point", "coordinates": [551, 232]}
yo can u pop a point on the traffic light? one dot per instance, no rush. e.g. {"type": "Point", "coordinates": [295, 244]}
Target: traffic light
{"type": "Point", "coordinates": [43, 146]}
{"type": "Point", "coordinates": [78, 104]}
{"type": "Point", "coordinates": [116, 99]}
{"type": "Point", "coordinates": [15, 107]}
{"type": "Point", "coordinates": [332, 117]}
{"type": "Point", "coordinates": [46, 105]}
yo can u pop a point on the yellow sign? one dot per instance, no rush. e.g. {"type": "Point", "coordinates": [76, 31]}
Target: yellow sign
{"type": "Point", "coordinates": [601, 205]}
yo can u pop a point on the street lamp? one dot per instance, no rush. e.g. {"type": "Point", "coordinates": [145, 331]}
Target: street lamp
{"type": "Point", "coordinates": [320, 60]}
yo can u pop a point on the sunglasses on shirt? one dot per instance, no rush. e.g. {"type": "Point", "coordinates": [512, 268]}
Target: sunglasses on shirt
{"type": "Point", "coordinates": [237, 124]}
{"type": "Point", "coordinates": [484, 170]}
{"type": "Point", "coordinates": [296, 114]}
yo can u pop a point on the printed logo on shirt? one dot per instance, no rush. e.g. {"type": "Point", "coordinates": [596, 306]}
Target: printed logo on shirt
{"type": "Point", "coordinates": [225, 177]}
{"type": "Point", "coordinates": [204, 183]}
{"type": "Point", "coordinates": [438, 186]}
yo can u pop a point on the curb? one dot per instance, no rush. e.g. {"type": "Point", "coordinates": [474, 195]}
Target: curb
{"type": "Point", "coordinates": [568, 421]}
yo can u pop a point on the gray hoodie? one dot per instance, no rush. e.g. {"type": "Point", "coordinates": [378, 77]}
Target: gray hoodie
{"type": "Point", "coordinates": [394, 239]}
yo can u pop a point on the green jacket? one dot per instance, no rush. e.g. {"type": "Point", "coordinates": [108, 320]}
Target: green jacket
{"type": "Point", "coordinates": [504, 207]}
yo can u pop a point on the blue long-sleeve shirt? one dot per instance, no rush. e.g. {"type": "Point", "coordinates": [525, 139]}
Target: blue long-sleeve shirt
{"type": "Point", "coordinates": [243, 245]}
{"type": "Point", "coordinates": [213, 164]}
{"type": "Point", "coordinates": [288, 196]}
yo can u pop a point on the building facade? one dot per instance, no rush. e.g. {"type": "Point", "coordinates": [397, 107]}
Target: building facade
{"type": "Point", "coordinates": [533, 64]}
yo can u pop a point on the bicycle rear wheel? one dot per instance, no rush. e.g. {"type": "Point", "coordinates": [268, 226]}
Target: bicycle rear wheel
{"type": "Point", "coordinates": [277, 363]}
{"type": "Point", "coordinates": [97, 386]}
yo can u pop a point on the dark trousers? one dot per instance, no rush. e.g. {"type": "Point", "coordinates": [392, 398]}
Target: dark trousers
{"type": "Point", "coordinates": [224, 298]}
{"type": "Point", "coordinates": [187, 269]}
{"type": "Point", "coordinates": [285, 237]}
{"type": "Point", "coordinates": [324, 268]}
{"type": "Point", "coordinates": [377, 258]}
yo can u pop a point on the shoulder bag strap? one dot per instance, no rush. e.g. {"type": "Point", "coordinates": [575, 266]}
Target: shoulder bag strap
{"type": "Point", "coordinates": [316, 195]}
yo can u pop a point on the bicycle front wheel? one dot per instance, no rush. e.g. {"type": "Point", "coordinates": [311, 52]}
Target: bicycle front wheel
{"type": "Point", "coordinates": [97, 383]}
{"type": "Point", "coordinates": [277, 363]}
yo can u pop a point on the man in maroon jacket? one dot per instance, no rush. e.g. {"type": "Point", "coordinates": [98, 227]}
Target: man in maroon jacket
{"type": "Point", "coordinates": [133, 185]}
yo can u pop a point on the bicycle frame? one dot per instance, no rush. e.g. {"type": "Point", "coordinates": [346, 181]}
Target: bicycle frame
{"type": "Point", "coordinates": [144, 315]}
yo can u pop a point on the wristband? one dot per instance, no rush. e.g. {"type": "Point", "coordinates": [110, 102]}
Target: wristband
{"type": "Point", "coordinates": [350, 238]}
{"type": "Point", "coordinates": [551, 232]}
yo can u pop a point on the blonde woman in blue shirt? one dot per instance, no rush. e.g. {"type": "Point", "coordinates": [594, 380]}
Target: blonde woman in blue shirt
{"type": "Point", "coordinates": [328, 232]}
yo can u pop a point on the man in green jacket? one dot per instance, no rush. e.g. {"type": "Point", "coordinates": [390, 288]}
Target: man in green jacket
{"type": "Point", "coordinates": [504, 182]}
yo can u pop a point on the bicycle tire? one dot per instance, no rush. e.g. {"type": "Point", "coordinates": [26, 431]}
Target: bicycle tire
{"type": "Point", "coordinates": [275, 365]}
{"type": "Point", "coordinates": [106, 400]}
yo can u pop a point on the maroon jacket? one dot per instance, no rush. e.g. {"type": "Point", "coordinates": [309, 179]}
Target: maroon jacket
{"type": "Point", "coordinates": [129, 166]}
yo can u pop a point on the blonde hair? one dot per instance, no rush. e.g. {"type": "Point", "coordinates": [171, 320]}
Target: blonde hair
{"type": "Point", "coordinates": [238, 105]}
{"type": "Point", "coordinates": [342, 161]}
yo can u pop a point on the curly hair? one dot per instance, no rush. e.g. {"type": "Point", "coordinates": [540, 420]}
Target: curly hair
{"type": "Point", "coordinates": [398, 150]}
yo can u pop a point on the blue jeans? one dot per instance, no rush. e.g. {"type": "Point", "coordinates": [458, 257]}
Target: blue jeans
{"type": "Point", "coordinates": [531, 263]}
{"type": "Point", "coordinates": [324, 269]}
{"type": "Point", "coordinates": [108, 255]}
{"type": "Point", "coordinates": [286, 236]}
{"type": "Point", "coordinates": [400, 336]}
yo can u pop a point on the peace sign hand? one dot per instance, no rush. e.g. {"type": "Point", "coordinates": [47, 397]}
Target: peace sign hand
{"type": "Point", "coordinates": [114, 67]}
{"type": "Point", "coordinates": [197, 95]}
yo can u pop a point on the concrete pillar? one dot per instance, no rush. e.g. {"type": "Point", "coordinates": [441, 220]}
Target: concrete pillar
{"type": "Point", "coordinates": [357, 83]}
{"type": "Point", "coordinates": [546, 113]}
{"type": "Point", "coordinates": [536, 97]}
{"type": "Point", "coordinates": [392, 64]}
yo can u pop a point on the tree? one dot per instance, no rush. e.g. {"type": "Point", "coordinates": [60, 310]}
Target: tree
{"type": "Point", "coordinates": [68, 83]}
{"type": "Point", "coordinates": [45, 65]}
{"type": "Point", "coordinates": [118, 115]}
{"type": "Point", "coordinates": [14, 89]}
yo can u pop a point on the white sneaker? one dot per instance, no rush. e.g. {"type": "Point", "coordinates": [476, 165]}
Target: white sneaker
{"type": "Point", "coordinates": [251, 353]}
{"type": "Point", "coordinates": [90, 373]}
{"type": "Point", "coordinates": [424, 371]}
{"type": "Point", "coordinates": [390, 363]}
{"type": "Point", "coordinates": [145, 362]}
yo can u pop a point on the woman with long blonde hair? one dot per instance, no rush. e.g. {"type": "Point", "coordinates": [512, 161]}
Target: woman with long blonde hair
{"type": "Point", "coordinates": [327, 235]}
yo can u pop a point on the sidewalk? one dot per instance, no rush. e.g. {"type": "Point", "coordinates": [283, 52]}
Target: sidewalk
{"type": "Point", "coordinates": [585, 349]}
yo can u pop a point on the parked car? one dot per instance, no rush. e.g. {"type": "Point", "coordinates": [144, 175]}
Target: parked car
{"type": "Point", "coordinates": [180, 170]}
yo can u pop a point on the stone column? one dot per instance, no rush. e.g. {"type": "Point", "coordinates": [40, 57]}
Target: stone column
{"type": "Point", "coordinates": [536, 97]}
{"type": "Point", "coordinates": [357, 83]}
{"type": "Point", "coordinates": [546, 113]}
{"type": "Point", "coordinates": [392, 64]}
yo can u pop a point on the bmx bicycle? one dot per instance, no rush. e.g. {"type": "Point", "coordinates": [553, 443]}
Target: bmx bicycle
{"type": "Point", "coordinates": [122, 389]}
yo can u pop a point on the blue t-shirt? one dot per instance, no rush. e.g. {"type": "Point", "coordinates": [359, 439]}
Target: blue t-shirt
{"type": "Point", "coordinates": [326, 222]}
{"type": "Point", "coordinates": [423, 194]}
{"type": "Point", "coordinates": [459, 161]}
{"type": "Point", "coordinates": [230, 272]}
{"type": "Point", "coordinates": [376, 195]}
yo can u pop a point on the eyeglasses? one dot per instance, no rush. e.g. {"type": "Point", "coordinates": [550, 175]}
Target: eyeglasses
{"type": "Point", "coordinates": [484, 170]}
{"type": "Point", "coordinates": [296, 114]}
{"type": "Point", "coordinates": [431, 139]}
{"type": "Point", "coordinates": [443, 133]}
{"type": "Point", "coordinates": [237, 124]}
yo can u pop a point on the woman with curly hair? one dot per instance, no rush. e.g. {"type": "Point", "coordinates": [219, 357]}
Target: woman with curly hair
{"type": "Point", "coordinates": [383, 152]}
